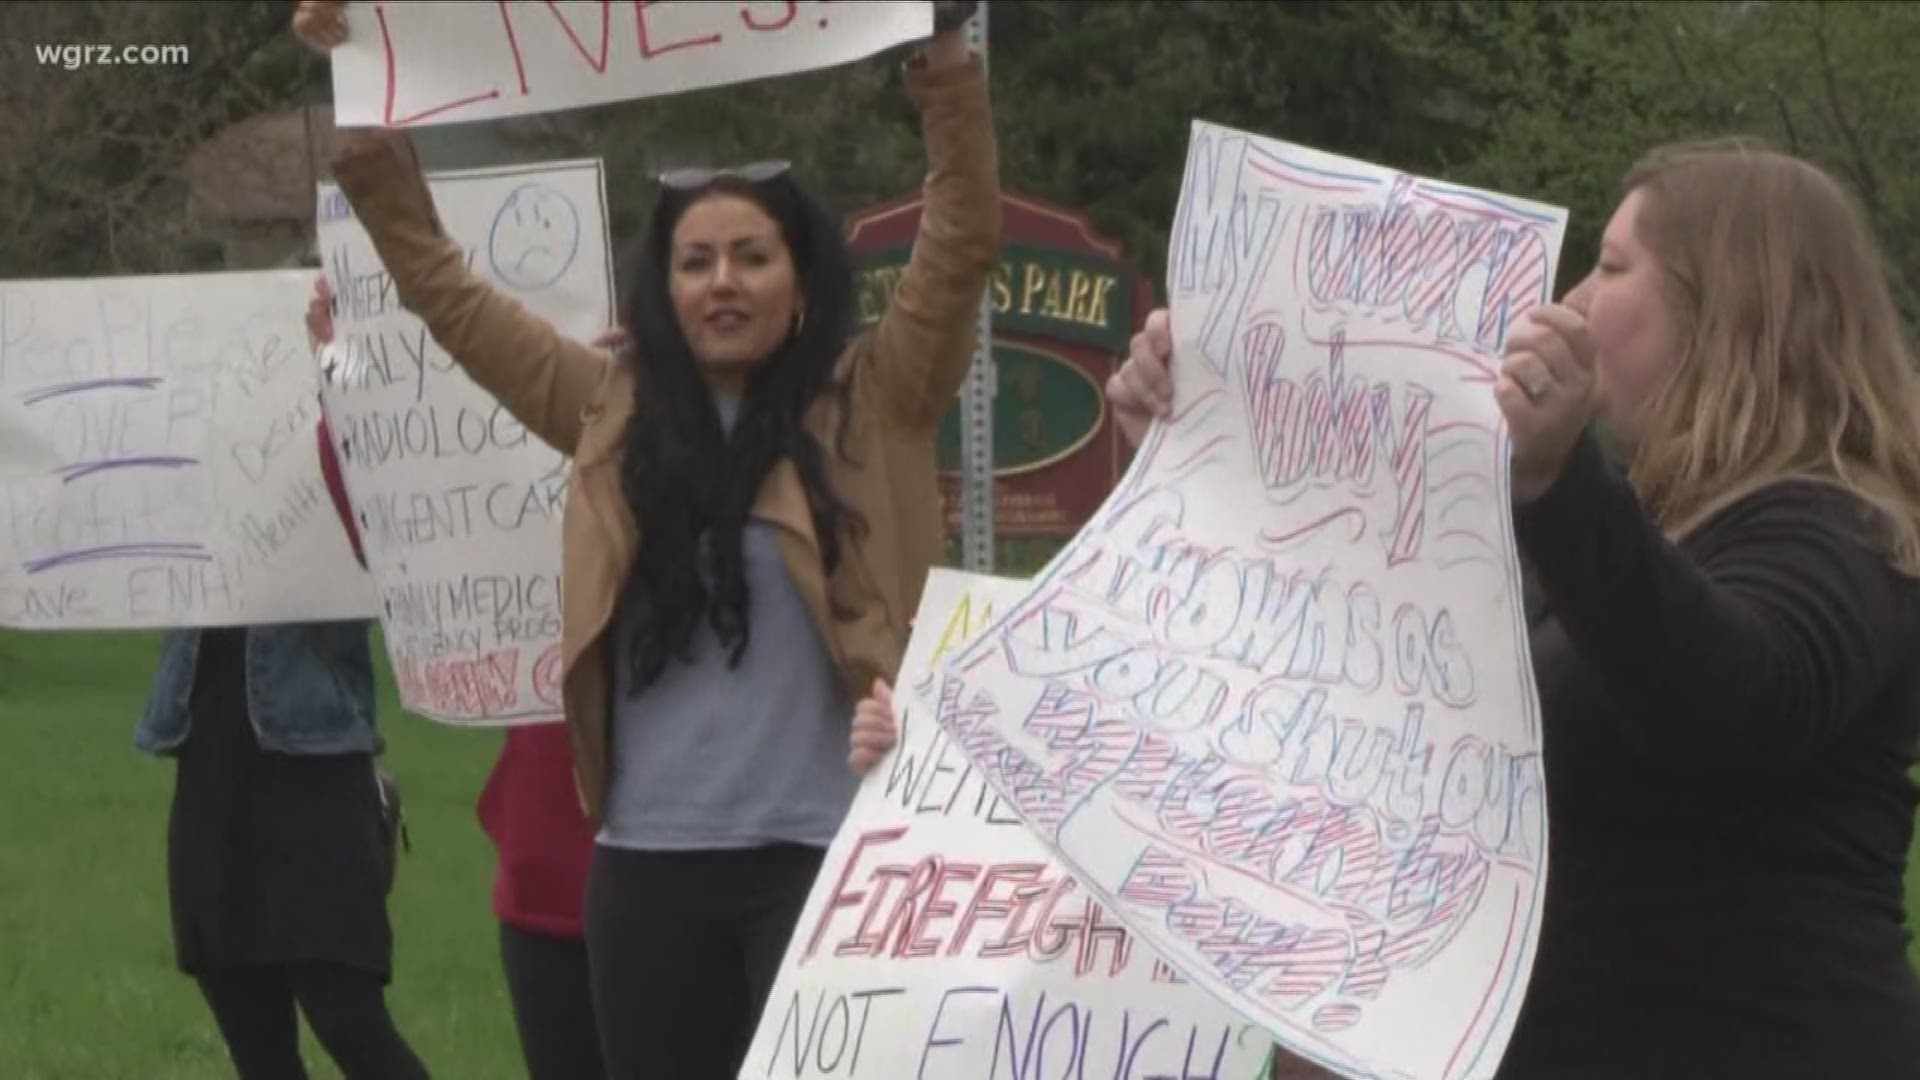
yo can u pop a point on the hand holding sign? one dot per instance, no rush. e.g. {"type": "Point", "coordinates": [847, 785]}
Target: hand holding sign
{"type": "Point", "coordinates": [1142, 390]}
{"type": "Point", "coordinates": [322, 24]}
{"type": "Point", "coordinates": [320, 313]}
{"type": "Point", "coordinates": [1546, 391]}
{"type": "Point", "coordinates": [875, 729]}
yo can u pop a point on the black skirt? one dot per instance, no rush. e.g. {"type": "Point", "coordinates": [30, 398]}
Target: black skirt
{"type": "Point", "coordinates": [272, 859]}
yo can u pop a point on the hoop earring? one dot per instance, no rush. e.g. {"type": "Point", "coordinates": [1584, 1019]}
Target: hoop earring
{"type": "Point", "coordinates": [799, 322]}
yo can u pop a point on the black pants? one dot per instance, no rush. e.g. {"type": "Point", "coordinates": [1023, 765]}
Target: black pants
{"type": "Point", "coordinates": [685, 946]}
{"type": "Point", "coordinates": [552, 1004]}
{"type": "Point", "coordinates": [346, 1007]}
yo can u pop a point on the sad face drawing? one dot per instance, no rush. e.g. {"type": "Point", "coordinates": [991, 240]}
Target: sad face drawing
{"type": "Point", "coordinates": [534, 237]}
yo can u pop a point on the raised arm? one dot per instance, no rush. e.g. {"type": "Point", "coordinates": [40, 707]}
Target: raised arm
{"type": "Point", "coordinates": [1743, 653]}
{"type": "Point", "coordinates": [922, 347]}
{"type": "Point", "coordinates": [543, 377]}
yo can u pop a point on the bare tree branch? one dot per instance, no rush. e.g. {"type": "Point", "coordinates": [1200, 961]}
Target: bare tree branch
{"type": "Point", "coordinates": [1786, 117]}
{"type": "Point", "coordinates": [1684, 71]}
{"type": "Point", "coordinates": [1859, 162]}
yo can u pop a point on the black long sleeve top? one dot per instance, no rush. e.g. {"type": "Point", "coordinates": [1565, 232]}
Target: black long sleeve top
{"type": "Point", "coordinates": [1730, 725]}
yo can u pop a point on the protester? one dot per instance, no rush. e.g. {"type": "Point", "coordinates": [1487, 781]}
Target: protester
{"type": "Point", "coordinates": [279, 844]}
{"type": "Point", "coordinates": [544, 844]}
{"type": "Point", "coordinates": [783, 470]}
{"type": "Point", "coordinates": [530, 809]}
{"type": "Point", "coordinates": [1727, 667]}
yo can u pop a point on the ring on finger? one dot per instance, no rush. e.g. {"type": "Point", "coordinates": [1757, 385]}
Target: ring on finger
{"type": "Point", "coordinates": [1530, 374]}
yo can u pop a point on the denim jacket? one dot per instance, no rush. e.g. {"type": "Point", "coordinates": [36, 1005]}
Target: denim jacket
{"type": "Point", "coordinates": [309, 689]}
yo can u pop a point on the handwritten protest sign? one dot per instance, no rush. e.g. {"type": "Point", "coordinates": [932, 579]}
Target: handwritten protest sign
{"type": "Point", "coordinates": [417, 63]}
{"type": "Point", "coordinates": [458, 505]}
{"type": "Point", "coordinates": [1274, 706]}
{"type": "Point", "coordinates": [159, 458]}
{"type": "Point", "coordinates": [942, 941]}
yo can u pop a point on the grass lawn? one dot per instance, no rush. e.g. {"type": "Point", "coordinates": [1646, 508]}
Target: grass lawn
{"type": "Point", "coordinates": [88, 990]}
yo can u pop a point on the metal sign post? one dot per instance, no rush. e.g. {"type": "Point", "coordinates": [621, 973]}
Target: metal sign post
{"type": "Point", "coordinates": [976, 403]}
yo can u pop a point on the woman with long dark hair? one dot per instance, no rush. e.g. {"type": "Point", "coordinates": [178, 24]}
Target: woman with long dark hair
{"type": "Point", "coordinates": [751, 517]}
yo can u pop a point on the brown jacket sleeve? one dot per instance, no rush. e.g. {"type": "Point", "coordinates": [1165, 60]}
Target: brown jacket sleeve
{"type": "Point", "coordinates": [924, 343]}
{"type": "Point", "coordinates": [543, 377]}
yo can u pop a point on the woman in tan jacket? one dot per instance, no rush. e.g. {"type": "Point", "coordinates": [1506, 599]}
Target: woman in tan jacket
{"type": "Point", "coordinates": [752, 514]}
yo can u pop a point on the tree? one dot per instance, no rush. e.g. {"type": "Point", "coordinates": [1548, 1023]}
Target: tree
{"type": "Point", "coordinates": [90, 153]}
{"type": "Point", "coordinates": [1550, 100]}
{"type": "Point", "coordinates": [1835, 83]}
{"type": "Point", "coordinates": [1569, 94]}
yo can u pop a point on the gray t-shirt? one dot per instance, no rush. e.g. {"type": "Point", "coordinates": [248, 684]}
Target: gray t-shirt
{"type": "Point", "coordinates": [717, 757]}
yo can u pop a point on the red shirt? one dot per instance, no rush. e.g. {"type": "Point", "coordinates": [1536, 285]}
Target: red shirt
{"type": "Point", "coordinates": [337, 489]}
{"type": "Point", "coordinates": [530, 807]}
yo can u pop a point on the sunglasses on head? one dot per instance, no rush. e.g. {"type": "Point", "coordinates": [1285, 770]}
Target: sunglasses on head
{"type": "Point", "coordinates": [692, 179]}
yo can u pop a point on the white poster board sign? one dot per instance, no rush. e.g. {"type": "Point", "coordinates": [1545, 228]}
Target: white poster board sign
{"type": "Point", "coordinates": [458, 505]}
{"type": "Point", "coordinates": [160, 459]}
{"type": "Point", "coordinates": [942, 941]}
{"type": "Point", "coordinates": [409, 64]}
{"type": "Point", "coordinates": [1274, 704]}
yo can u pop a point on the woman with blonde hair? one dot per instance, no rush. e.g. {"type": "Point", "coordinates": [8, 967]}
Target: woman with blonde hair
{"type": "Point", "coordinates": [1729, 669]}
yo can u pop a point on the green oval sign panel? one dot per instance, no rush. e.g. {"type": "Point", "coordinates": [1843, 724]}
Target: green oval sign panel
{"type": "Point", "coordinates": [1046, 408]}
